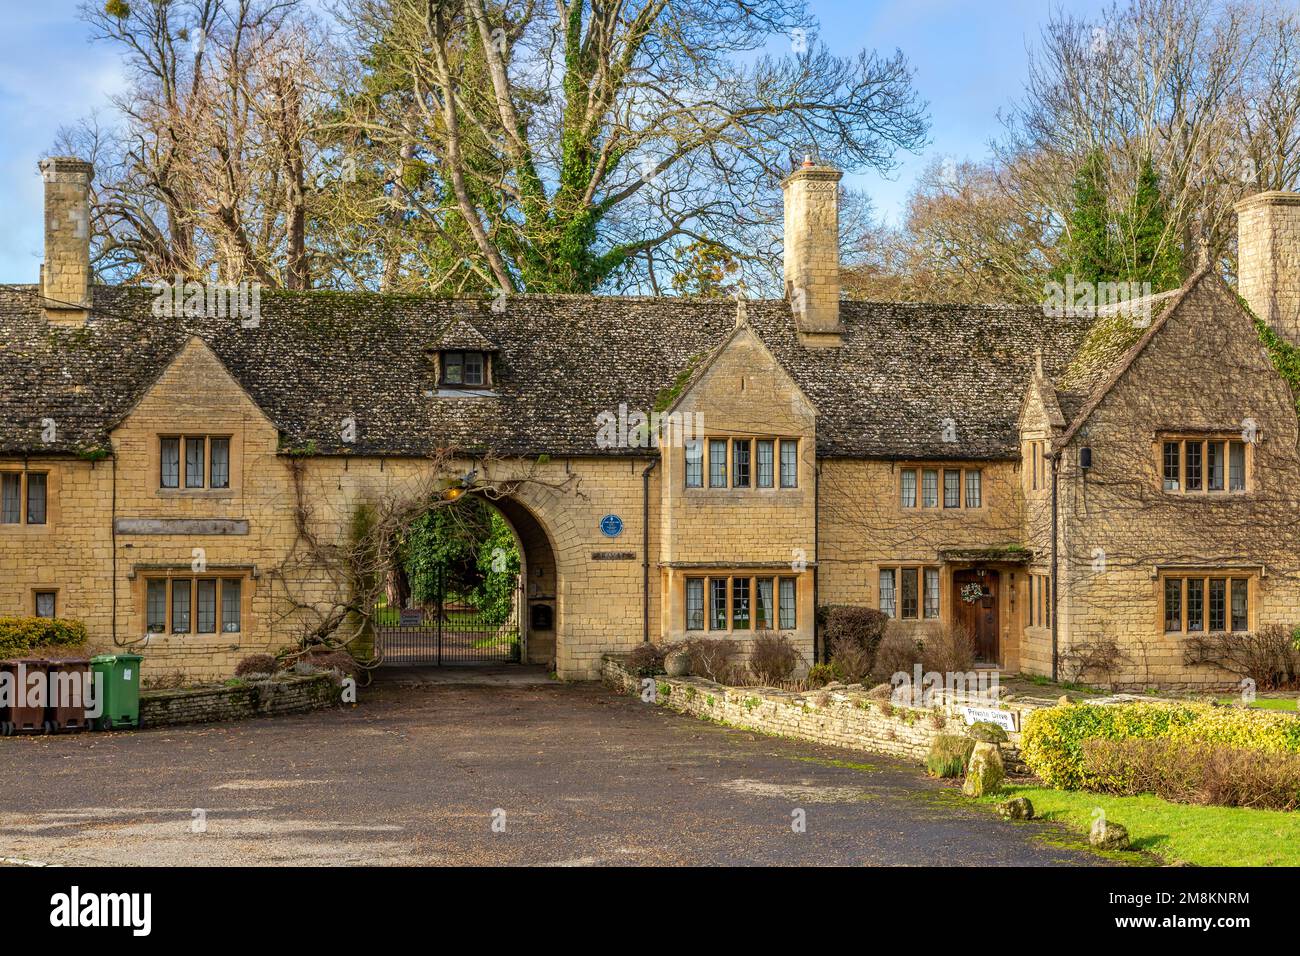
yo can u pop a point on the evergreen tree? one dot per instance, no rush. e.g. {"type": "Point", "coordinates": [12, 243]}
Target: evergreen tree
{"type": "Point", "coordinates": [1150, 253]}
{"type": "Point", "coordinates": [1087, 246]}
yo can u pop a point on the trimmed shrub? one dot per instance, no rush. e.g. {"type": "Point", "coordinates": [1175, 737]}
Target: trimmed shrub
{"type": "Point", "coordinates": [850, 661]}
{"type": "Point", "coordinates": [897, 653]}
{"type": "Point", "coordinates": [772, 658]}
{"type": "Point", "coordinates": [255, 664]}
{"type": "Point", "coordinates": [646, 660]}
{"type": "Point", "coordinates": [1053, 737]}
{"type": "Point", "coordinates": [1194, 772]}
{"type": "Point", "coordinates": [18, 634]}
{"type": "Point", "coordinates": [948, 756]}
{"type": "Point", "coordinates": [947, 649]}
{"type": "Point", "coordinates": [864, 626]}
{"type": "Point", "coordinates": [341, 661]}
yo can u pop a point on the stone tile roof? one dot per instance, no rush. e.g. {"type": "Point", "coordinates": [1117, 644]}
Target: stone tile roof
{"type": "Point", "coordinates": [1115, 331]}
{"type": "Point", "coordinates": [1113, 342]}
{"type": "Point", "coordinates": [903, 371]}
{"type": "Point", "coordinates": [458, 332]}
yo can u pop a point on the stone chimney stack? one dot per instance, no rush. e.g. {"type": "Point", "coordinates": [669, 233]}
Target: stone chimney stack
{"type": "Point", "coordinates": [65, 273]}
{"type": "Point", "coordinates": [1268, 251]}
{"type": "Point", "coordinates": [812, 252]}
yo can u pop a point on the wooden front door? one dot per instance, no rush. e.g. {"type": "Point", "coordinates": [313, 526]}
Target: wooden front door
{"type": "Point", "coordinates": [978, 616]}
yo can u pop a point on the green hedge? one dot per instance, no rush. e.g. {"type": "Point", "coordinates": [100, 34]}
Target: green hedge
{"type": "Point", "coordinates": [1052, 741]}
{"type": "Point", "coordinates": [19, 634]}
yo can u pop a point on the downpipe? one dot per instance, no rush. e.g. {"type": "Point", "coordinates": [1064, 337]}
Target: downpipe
{"type": "Point", "coordinates": [645, 551]}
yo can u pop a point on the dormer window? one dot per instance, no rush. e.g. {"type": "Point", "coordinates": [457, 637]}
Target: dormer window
{"type": "Point", "coordinates": [465, 369]}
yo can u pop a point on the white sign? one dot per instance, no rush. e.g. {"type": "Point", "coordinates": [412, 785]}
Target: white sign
{"type": "Point", "coordinates": [1006, 719]}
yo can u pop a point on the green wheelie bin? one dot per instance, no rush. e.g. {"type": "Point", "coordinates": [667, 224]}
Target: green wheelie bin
{"type": "Point", "coordinates": [118, 677]}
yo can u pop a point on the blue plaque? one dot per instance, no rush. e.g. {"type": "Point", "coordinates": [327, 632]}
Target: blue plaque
{"type": "Point", "coordinates": [611, 526]}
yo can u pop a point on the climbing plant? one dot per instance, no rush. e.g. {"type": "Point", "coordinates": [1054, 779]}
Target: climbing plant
{"type": "Point", "coordinates": [334, 578]}
{"type": "Point", "coordinates": [498, 566]}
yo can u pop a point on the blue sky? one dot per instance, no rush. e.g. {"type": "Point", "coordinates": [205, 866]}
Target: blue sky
{"type": "Point", "coordinates": [969, 57]}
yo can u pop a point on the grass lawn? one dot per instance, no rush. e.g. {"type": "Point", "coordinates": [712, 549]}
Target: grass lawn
{"type": "Point", "coordinates": [505, 640]}
{"type": "Point", "coordinates": [1203, 836]}
{"type": "Point", "coordinates": [386, 616]}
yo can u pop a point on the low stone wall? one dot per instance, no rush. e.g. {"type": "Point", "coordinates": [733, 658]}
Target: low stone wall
{"type": "Point", "coordinates": [290, 695]}
{"type": "Point", "coordinates": [840, 717]}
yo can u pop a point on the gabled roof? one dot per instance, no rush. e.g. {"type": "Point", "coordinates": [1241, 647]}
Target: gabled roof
{"type": "Point", "coordinates": [699, 366]}
{"type": "Point", "coordinates": [1040, 387]}
{"type": "Point", "coordinates": [1116, 329]}
{"type": "Point", "coordinates": [199, 344]}
{"type": "Point", "coordinates": [1112, 345]}
{"type": "Point", "coordinates": [457, 332]}
{"type": "Point", "coordinates": [315, 358]}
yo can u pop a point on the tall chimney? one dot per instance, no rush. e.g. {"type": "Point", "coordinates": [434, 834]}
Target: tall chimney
{"type": "Point", "coordinates": [65, 273]}
{"type": "Point", "coordinates": [1268, 259]}
{"type": "Point", "coordinates": [812, 252]}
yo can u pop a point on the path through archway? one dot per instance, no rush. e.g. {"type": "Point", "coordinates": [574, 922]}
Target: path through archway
{"type": "Point", "coordinates": [474, 584]}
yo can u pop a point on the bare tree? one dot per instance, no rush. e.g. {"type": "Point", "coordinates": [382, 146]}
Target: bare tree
{"type": "Point", "coordinates": [1206, 90]}
{"type": "Point", "coordinates": [965, 238]}
{"type": "Point", "coordinates": [570, 146]}
{"type": "Point", "coordinates": [205, 167]}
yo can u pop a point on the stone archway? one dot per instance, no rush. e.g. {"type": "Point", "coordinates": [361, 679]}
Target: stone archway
{"type": "Point", "coordinates": [449, 625]}
{"type": "Point", "coordinates": [540, 576]}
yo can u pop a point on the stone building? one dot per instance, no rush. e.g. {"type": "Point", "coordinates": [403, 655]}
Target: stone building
{"type": "Point", "coordinates": [160, 448]}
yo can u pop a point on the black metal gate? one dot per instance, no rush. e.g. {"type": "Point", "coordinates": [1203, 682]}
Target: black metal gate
{"type": "Point", "coordinates": [450, 630]}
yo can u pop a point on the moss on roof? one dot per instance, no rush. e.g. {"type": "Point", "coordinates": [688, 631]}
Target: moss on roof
{"type": "Point", "coordinates": [901, 373]}
{"type": "Point", "coordinates": [1106, 342]}
{"type": "Point", "coordinates": [666, 396]}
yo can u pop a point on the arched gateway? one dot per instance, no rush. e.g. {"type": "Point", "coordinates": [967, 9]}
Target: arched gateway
{"type": "Point", "coordinates": [508, 616]}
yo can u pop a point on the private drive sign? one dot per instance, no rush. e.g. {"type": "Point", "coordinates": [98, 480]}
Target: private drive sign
{"type": "Point", "coordinates": [1008, 720]}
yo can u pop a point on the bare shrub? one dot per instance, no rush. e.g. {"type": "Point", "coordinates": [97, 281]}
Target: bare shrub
{"type": "Point", "coordinates": [715, 658]}
{"type": "Point", "coordinates": [850, 661]}
{"type": "Point", "coordinates": [1193, 772]}
{"type": "Point", "coordinates": [948, 649]}
{"type": "Point", "coordinates": [646, 660]}
{"type": "Point", "coordinates": [255, 664]}
{"type": "Point", "coordinates": [864, 626]}
{"type": "Point", "coordinates": [1099, 660]}
{"type": "Point", "coordinates": [772, 658]}
{"type": "Point", "coordinates": [168, 680]}
{"type": "Point", "coordinates": [898, 653]}
{"type": "Point", "coordinates": [1269, 656]}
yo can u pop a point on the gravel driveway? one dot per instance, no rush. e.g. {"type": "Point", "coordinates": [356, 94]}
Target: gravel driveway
{"type": "Point", "coordinates": [506, 774]}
